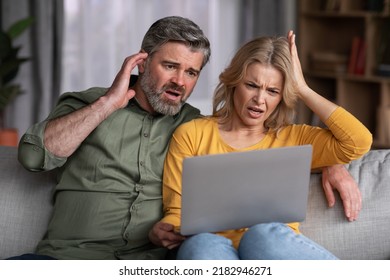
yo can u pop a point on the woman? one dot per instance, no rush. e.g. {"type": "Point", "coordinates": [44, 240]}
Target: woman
{"type": "Point", "coordinates": [253, 108]}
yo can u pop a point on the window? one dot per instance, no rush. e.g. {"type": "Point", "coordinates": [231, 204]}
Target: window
{"type": "Point", "coordinates": [99, 34]}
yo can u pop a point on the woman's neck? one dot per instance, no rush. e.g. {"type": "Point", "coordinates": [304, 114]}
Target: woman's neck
{"type": "Point", "coordinates": [240, 137]}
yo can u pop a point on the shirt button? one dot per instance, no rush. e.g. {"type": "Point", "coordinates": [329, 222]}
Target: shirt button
{"type": "Point", "coordinates": [138, 187]}
{"type": "Point", "coordinates": [146, 134]}
{"type": "Point", "coordinates": [141, 163]}
{"type": "Point", "coordinates": [126, 236]}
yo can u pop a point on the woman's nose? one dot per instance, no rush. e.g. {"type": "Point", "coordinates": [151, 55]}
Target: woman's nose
{"type": "Point", "coordinates": [260, 96]}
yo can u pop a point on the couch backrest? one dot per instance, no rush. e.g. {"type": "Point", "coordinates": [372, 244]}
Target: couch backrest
{"type": "Point", "coordinates": [25, 205]}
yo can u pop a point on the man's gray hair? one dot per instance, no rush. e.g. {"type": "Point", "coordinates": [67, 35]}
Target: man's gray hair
{"type": "Point", "coordinates": [176, 29]}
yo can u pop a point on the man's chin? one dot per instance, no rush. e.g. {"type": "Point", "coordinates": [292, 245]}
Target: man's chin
{"type": "Point", "coordinates": [168, 109]}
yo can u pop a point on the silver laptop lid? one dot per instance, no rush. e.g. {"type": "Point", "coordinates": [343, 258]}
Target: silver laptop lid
{"type": "Point", "coordinates": [241, 189]}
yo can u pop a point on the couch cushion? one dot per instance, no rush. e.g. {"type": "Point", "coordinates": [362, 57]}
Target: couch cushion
{"type": "Point", "coordinates": [368, 237]}
{"type": "Point", "coordinates": [25, 205]}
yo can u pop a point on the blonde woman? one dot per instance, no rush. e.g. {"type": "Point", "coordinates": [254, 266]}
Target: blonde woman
{"type": "Point", "coordinates": [253, 108]}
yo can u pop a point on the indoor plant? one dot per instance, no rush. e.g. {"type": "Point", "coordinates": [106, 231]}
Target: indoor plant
{"type": "Point", "coordinates": [9, 68]}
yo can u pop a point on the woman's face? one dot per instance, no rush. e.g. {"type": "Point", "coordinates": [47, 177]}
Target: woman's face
{"type": "Point", "coordinates": [257, 95]}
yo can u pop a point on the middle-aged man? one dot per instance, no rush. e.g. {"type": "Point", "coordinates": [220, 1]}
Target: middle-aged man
{"type": "Point", "coordinates": [110, 145]}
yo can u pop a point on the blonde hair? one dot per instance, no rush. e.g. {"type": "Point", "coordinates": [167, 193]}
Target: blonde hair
{"type": "Point", "coordinates": [267, 51]}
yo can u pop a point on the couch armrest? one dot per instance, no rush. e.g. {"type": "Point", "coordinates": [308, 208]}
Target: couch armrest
{"type": "Point", "coordinates": [25, 205]}
{"type": "Point", "coordinates": [366, 238]}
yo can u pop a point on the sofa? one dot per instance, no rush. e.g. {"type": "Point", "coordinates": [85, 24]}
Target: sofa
{"type": "Point", "coordinates": [26, 205]}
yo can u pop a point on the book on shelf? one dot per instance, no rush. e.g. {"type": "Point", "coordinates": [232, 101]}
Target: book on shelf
{"type": "Point", "coordinates": [357, 57]}
{"type": "Point", "coordinates": [361, 59]}
{"type": "Point", "coordinates": [375, 5]}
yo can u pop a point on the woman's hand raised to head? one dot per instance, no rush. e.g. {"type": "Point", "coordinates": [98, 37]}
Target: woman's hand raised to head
{"type": "Point", "coordinates": [322, 107]}
{"type": "Point", "coordinates": [299, 80]}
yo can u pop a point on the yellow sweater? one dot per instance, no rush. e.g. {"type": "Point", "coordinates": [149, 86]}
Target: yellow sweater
{"type": "Point", "coordinates": [345, 140]}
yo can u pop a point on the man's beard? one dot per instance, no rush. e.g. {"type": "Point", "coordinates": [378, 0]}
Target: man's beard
{"type": "Point", "coordinates": [155, 96]}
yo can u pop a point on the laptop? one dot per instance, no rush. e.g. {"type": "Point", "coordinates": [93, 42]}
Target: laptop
{"type": "Point", "coordinates": [236, 190]}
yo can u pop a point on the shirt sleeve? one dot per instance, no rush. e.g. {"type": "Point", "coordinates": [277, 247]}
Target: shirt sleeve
{"type": "Point", "coordinates": [32, 153]}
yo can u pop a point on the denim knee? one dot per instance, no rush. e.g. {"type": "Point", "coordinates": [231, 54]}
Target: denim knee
{"type": "Point", "coordinates": [278, 241]}
{"type": "Point", "coordinates": [207, 246]}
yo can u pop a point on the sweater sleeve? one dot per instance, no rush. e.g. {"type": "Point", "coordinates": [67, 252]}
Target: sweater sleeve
{"type": "Point", "coordinates": [346, 139]}
{"type": "Point", "coordinates": [354, 138]}
{"type": "Point", "coordinates": [181, 146]}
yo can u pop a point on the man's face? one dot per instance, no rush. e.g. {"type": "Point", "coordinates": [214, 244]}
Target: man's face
{"type": "Point", "coordinates": [170, 76]}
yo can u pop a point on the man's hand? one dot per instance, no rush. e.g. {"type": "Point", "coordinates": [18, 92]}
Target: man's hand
{"type": "Point", "coordinates": [163, 235]}
{"type": "Point", "coordinates": [65, 134]}
{"type": "Point", "coordinates": [337, 177]}
{"type": "Point", "coordinates": [119, 92]}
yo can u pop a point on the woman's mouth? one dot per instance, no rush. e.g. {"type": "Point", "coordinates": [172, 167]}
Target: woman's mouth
{"type": "Point", "coordinates": [255, 112]}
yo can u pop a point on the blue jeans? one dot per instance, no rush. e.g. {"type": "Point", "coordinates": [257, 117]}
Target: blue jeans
{"type": "Point", "coordinates": [273, 241]}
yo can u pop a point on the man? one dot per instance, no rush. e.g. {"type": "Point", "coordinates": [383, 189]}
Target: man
{"type": "Point", "coordinates": [110, 145]}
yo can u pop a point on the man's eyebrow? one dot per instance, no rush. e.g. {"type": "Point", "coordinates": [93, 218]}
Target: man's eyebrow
{"type": "Point", "coordinates": [177, 63]}
{"type": "Point", "coordinates": [170, 62]}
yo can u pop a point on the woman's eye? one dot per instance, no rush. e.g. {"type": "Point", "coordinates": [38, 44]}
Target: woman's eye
{"type": "Point", "coordinates": [273, 91]}
{"type": "Point", "coordinates": [251, 85]}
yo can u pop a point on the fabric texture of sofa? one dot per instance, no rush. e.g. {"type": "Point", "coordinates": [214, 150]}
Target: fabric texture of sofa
{"type": "Point", "coordinates": [26, 205]}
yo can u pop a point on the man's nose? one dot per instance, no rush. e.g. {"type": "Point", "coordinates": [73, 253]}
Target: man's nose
{"type": "Point", "coordinates": [178, 78]}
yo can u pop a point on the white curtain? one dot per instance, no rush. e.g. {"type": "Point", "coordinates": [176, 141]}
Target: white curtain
{"type": "Point", "coordinates": [99, 34]}
{"type": "Point", "coordinates": [267, 18]}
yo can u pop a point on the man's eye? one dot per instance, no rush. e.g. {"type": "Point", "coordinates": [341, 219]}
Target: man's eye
{"type": "Point", "coordinates": [192, 74]}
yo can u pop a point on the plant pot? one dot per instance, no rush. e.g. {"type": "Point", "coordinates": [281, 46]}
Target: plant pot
{"type": "Point", "coordinates": [9, 137]}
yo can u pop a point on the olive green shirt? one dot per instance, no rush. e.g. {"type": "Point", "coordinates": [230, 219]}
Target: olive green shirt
{"type": "Point", "coordinates": [108, 195]}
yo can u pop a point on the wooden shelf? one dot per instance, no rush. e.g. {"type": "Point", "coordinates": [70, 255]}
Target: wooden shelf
{"type": "Point", "coordinates": [324, 33]}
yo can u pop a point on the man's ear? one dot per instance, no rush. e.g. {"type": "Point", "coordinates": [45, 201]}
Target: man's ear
{"type": "Point", "coordinates": [141, 66]}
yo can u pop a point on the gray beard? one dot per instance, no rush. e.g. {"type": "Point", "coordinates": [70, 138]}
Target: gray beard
{"type": "Point", "coordinates": [154, 96]}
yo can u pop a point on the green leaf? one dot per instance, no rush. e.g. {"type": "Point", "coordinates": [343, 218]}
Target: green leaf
{"type": "Point", "coordinates": [7, 94]}
{"type": "Point", "coordinates": [9, 66]}
{"type": "Point", "coordinates": [9, 70]}
{"type": "Point", "coordinates": [19, 27]}
{"type": "Point", "coordinates": [5, 45]}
